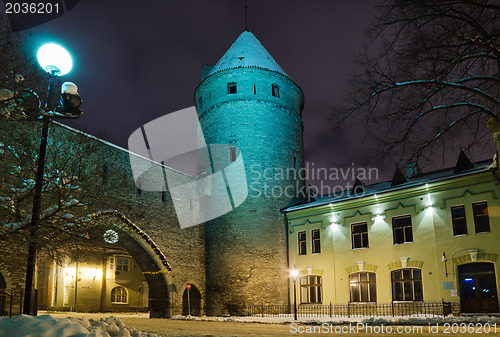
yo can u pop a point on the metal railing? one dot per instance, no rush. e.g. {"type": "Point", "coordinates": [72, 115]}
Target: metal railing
{"type": "Point", "coordinates": [394, 309]}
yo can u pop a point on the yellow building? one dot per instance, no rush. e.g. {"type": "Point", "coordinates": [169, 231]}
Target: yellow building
{"type": "Point", "coordinates": [428, 238]}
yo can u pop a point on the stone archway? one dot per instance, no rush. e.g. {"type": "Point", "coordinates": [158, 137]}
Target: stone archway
{"type": "Point", "coordinates": [148, 256]}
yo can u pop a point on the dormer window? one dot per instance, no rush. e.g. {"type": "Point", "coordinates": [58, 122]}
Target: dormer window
{"type": "Point", "coordinates": [231, 88]}
{"type": "Point", "coordinates": [275, 90]}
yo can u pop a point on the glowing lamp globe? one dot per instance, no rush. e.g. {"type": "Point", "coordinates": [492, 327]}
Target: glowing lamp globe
{"type": "Point", "coordinates": [54, 59]}
{"type": "Point", "coordinates": [294, 273]}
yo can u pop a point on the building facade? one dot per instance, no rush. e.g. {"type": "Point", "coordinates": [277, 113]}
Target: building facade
{"type": "Point", "coordinates": [429, 238]}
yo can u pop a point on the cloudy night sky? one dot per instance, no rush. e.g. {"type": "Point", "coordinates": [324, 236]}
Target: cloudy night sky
{"type": "Point", "coordinates": [135, 61]}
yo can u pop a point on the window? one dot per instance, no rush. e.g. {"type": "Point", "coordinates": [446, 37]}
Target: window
{"type": "Point", "coordinates": [481, 219]}
{"type": "Point", "coordinates": [401, 227]}
{"type": "Point", "coordinates": [122, 263]}
{"type": "Point", "coordinates": [119, 295]}
{"type": "Point", "coordinates": [310, 289]}
{"type": "Point", "coordinates": [105, 170]}
{"type": "Point", "coordinates": [362, 287]}
{"type": "Point", "coordinates": [231, 88]}
{"type": "Point", "coordinates": [232, 154]}
{"type": "Point", "coordinates": [316, 241]}
{"type": "Point", "coordinates": [459, 221]}
{"type": "Point", "coordinates": [359, 235]}
{"type": "Point", "coordinates": [302, 243]}
{"type": "Point", "coordinates": [275, 90]}
{"type": "Point", "coordinates": [138, 184]}
{"type": "Point", "coordinates": [407, 285]}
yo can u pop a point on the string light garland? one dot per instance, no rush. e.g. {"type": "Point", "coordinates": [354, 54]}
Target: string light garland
{"type": "Point", "coordinates": [132, 228]}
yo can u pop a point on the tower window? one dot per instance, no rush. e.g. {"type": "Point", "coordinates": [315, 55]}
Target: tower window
{"type": "Point", "coordinates": [254, 89]}
{"type": "Point", "coordinates": [105, 170]}
{"type": "Point", "coordinates": [231, 88]}
{"type": "Point", "coordinates": [275, 90]}
{"type": "Point", "coordinates": [232, 154]}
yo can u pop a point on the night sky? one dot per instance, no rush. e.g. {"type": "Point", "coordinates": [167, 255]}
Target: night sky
{"type": "Point", "coordinates": [135, 61]}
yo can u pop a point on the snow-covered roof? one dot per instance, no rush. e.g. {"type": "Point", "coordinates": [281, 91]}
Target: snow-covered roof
{"type": "Point", "coordinates": [247, 52]}
{"type": "Point", "coordinates": [387, 186]}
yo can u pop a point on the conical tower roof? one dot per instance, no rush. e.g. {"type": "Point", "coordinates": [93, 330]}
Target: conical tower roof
{"type": "Point", "coordinates": [247, 52]}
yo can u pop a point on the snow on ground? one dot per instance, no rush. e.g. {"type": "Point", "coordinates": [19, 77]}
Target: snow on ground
{"type": "Point", "coordinates": [387, 320]}
{"type": "Point", "coordinates": [70, 324]}
{"type": "Point", "coordinates": [50, 326]}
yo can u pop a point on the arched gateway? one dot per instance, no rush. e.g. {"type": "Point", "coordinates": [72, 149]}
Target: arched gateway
{"type": "Point", "coordinates": [148, 255]}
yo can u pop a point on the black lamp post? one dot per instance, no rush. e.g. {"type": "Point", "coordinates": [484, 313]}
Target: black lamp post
{"type": "Point", "coordinates": [57, 62]}
{"type": "Point", "coordinates": [293, 273]}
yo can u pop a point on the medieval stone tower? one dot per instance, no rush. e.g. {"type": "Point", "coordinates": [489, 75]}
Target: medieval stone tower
{"type": "Point", "coordinates": [247, 101]}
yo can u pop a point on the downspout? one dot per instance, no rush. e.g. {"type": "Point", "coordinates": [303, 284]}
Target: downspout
{"type": "Point", "coordinates": [287, 255]}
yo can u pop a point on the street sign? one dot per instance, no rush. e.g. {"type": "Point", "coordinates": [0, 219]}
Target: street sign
{"type": "Point", "coordinates": [188, 286]}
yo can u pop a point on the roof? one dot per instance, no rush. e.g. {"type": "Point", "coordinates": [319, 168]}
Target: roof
{"type": "Point", "coordinates": [247, 52]}
{"type": "Point", "coordinates": [387, 186]}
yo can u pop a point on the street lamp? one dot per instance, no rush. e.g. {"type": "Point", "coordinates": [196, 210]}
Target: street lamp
{"type": "Point", "coordinates": [56, 61]}
{"type": "Point", "coordinates": [293, 273]}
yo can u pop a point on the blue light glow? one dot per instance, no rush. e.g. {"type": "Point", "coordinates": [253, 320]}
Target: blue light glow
{"type": "Point", "coordinates": [54, 59]}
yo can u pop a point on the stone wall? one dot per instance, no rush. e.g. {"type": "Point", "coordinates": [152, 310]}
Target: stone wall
{"type": "Point", "coordinates": [151, 212]}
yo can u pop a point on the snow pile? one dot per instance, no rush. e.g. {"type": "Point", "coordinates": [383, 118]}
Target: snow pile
{"type": "Point", "coordinates": [386, 320]}
{"type": "Point", "coordinates": [49, 326]}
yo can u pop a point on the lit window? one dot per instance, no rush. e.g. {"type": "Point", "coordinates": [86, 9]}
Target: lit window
{"type": "Point", "coordinates": [316, 241]}
{"type": "Point", "coordinates": [481, 219]}
{"type": "Point", "coordinates": [362, 287]}
{"type": "Point", "coordinates": [231, 88]}
{"type": "Point", "coordinates": [407, 285]}
{"type": "Point", "coordinates": [302, 243]}
{"type": "Point", "coordinates": [359, 235]}
{"type": "Point", "coordinates": [232, 154]}
{"type": "Point", "coordinates": [459, 221]}
{"type": "Point", "coordinates": [122, 264]}
{"type": "Point", "coordinates": [275, 90]}
{"type": "Point", "coordinates": [310, 289]}
{"type": "Point", "coordinates": [119, 295]}
{"type": "Point", "coordinates": [402, 231]}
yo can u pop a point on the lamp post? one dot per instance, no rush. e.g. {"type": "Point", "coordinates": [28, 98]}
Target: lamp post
{"type": "Point", "coordinates": [293, 273]}
{"type": "Point", "coordinates": [56, 61]}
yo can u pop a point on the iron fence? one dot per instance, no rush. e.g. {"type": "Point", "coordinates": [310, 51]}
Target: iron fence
{"type": "Point", "coordinates": [395, 309]}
